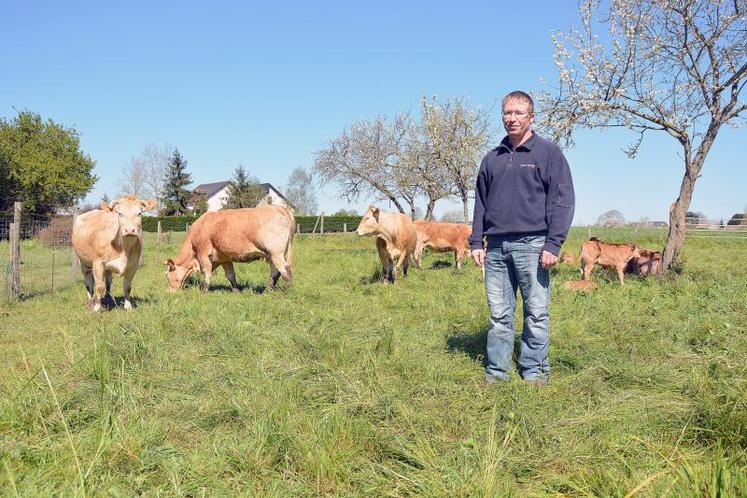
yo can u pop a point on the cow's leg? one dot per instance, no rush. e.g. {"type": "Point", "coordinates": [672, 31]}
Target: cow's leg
{"type": "Point", "coordinates": [586, 267]}
{"type": "Point", "coordinates": [620, 272]}
{"type": "Point", "coordinates": [88, 280]}
{"type": "Point", "coordinates": [458, 259]}
{"type": "Point", "coordinates": [108, 283]}
{"type": "Point", "coordinates": [99, 281]}
{"type": "Point", "coordinates": [231, 275]}
{"type": "Point", "coordinates": [401, 263]}
{"type": "Point", "coordinates": [206, 267]}
{"type": "Point", "coordinates": [418, 256]}
{"type": "Point", "coordinates": [127, 286]}
{"type": "Point", "coordinates": [383, 257]}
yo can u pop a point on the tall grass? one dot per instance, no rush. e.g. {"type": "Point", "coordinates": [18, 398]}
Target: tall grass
{"type": "Point", "coordinates": [342, 385]}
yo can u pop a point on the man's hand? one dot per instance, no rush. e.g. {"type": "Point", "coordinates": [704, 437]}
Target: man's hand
{"type": "Point", "coordinates": [479, 256]}
{"type": "Point", "coordinates": [547, 260]}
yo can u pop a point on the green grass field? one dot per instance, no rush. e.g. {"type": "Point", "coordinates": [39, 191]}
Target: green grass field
{"type": "Point", "coordinates": [343, 386]}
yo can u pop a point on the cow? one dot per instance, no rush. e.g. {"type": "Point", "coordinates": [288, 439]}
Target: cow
{"type": "Point", "coordinates": [109, 240]}
{"type": "Point", "coordinates": [568, 258]}
{"type": "Point", "coordinates": [606, 255]}
{"type": "Point", "coordinates": [396, 239]}
{"type": "Point", "coordinates": [645, 264]}
{"type": "Point", "coordinates": [441, 237]}
{"type": "Point", "coordinates": [221, 238]}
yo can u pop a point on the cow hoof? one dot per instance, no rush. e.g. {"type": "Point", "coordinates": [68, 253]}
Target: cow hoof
{"type": "Point", "coordinates": [96, 307]}
{"type": "Point", "coordinates": [235, 289]}
{"type": "Point", "coordinates": [127, 305]}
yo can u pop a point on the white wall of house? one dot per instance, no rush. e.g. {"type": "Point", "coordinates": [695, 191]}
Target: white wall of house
{"type": "Point", "coordinates": [273, 198]}
{"type": "Point", "coordinates": [216, 201]}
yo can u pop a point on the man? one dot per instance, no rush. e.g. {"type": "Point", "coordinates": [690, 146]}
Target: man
{"type": "Point", "coordinates": [524, 205]}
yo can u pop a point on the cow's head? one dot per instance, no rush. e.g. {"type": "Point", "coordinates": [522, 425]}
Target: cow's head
{"type": "Point", "coordinates": [177, 274]}
{"type": "Point", "coordinates": [370, 222]}
{"type": "Point", "coordinates": [129, 210]}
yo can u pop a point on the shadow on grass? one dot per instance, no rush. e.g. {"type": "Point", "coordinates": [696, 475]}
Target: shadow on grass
{"type": "Point", "coordinates": [440, 264]}
{"type": "Point", "coordinates": [253, 288]}
{"type": "Point", "coordinates": [473, 345]}
{"type": "Point", "coordinates": [375, 278]}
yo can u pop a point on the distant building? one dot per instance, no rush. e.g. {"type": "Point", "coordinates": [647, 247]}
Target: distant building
{"type": "Point", "coordinates": [216, 194]}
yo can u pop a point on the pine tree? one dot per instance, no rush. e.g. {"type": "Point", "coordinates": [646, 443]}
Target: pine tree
{"type": "Point", "coordinates": [244, 191]}
{"type": "Point", "coordinates": [175, 192]}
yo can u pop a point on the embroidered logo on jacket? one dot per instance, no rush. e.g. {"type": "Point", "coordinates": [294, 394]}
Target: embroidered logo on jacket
{"type": "Point", "coordinates": [525, 165]}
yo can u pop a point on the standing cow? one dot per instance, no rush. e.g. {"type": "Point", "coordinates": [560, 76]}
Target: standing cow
{"type": "Point", "coordinates": [220, 238]}
{"type": "Point", "coordinates": [396, 239]}
{"type": "Point", "coordinates": [109, 240]}
{"type": "Point", "coordinates": [442, 237]}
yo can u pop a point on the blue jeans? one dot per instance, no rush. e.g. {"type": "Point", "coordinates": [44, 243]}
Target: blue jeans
{"type": "Point", "coordinates": [514, 261]}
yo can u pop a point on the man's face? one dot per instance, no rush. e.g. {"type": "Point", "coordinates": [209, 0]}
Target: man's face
{"type": "Point", "coordinates": [517, 117]}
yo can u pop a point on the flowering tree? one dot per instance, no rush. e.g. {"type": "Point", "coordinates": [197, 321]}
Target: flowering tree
{"type": "Point", "coordinates": [677, 66]}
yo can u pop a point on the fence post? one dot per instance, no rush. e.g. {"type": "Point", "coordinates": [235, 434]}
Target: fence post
{"type": "Point", "coordinates": [187, 228]}
{"type": "Point", "coordinates": [315, 224]}
{"type": "Point", "coordinates": [298, 229]}
{"type": "Point", "coordinates": [344, 228]}
{"type": "Point", "coordinates": [321, 228]}
{"type": "Point", "coordinates": [74, 263]}
{"type": "Point", "coordinates": [52, 274]}
{"type": "Point", "coordinates": [15, 251]}
{"type": "Point", "coordinates": [158, 244]}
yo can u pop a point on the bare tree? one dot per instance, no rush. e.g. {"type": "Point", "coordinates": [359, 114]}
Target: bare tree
{"type": "Point", "coordinates": [677, 66]}
{"type": "Point", "coordinates": [457, 135]}
{"type": "Point", "coordinates": [300, 191]}
{"type": "Point", "coordinates": [611, 218]}
{"type": "Point", "coordinates": [428, 177]}
{"type": "Point", "coordinates": [452, 216]}
{"type": "Point", "coordinates": [362, 160]}
{"type": "Point", "coordinates": [144, 175]}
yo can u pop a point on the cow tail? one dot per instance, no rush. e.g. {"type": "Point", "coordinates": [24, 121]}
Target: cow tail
{"type": "Point", "coordinates": [289, 245]}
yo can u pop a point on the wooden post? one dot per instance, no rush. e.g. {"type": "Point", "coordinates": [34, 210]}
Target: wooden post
{"type": "Point", "coordinates": [158, 244]}
{"type": "Point", "coordinates": [315, 224]}
{"type": "Point", "coordinates": [187, 228]}
{"type": "Point", "coordinates": [298, 228]}
{"type": "Point", "coordinates": [321, 229]}
{"type": "Point", "coordinates": [344, 228]}
{"type": "Point", "coordinates": [74, 263]}
{"type": "Point", "coordinates": [15, 248]}
{"type": "Point", "coordinates": [52, 274]}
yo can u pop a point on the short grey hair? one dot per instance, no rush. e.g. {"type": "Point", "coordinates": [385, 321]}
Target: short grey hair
{"type": "Point", "coordinates": [520, 96]}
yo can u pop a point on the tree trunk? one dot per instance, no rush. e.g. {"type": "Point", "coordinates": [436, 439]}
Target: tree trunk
{"type": "Point", "coordinates": [678, 210]}
{"type": "Point", "coordinates": [465, 203]}
{"type": "Point", "coordinates": [429, 209]}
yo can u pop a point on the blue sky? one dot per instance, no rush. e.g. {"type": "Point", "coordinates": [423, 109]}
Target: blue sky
{"type": "Point", "coordinates": [267, 86]}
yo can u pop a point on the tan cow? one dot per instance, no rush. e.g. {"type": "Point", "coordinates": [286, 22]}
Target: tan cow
{"type": "Point", "coordinates": [579, 285]}
{"type": "Point", "coordinates": [396, 239]}
{"type": "Point", "coordinates": [606, 255]}
{"type": "Point", "coordinates": [442, 237]}
{"type": "Point", "coordinates": [645, 264]}
{"type": "Point", "coordinates": [109, 240]}
{"type": "Point", "coordinates": [220, 238]}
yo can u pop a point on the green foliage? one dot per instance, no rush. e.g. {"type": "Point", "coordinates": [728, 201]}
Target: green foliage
{"type": "Point", "coordinates": [175, 192]}
{"type": "Point", "coordinates": [244, 191]}
{"type": "Point", "coordinates": [168, 223]}
{"type": "Point", "coordinates": [340, 385]}
{"type": "Point", "coordinates": [41, 164]}
{"type": "Point", "coordinates": [199, 203]}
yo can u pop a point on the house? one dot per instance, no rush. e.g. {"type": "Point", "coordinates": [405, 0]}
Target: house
{"type": "Point", "coordinates": [216, 194]}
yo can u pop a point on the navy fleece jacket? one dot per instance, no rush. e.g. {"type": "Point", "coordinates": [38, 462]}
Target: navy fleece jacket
{"type": "Point", "coordinates": [524, 191]}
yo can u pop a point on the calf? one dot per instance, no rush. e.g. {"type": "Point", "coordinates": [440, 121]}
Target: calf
{"type": "Point", "coordinates": [607, 255]}
{"type": "Point", "coordinates": [220, 238]}
{"type": "Point", "coordinates": [396, 239]}
{"type": "Point", "coordinates": [579, 285]}
{"type": "Point", "coordinates": [442, 237]}
{"type": "Point", "coordinates": [109, 240]}
{"type": "Point", "coordinates": [646, 264]}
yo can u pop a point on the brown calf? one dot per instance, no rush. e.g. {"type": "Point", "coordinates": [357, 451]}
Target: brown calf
{"type": "Point", "coordinates": [442, 237]}
{"type": "Point", "coordinates": [396, 239]}
{"type": "Point", "coordinates": [616, 256]}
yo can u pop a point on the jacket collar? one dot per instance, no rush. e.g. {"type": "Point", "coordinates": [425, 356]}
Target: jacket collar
{"type": "Point", "coordinates": [528, 145]}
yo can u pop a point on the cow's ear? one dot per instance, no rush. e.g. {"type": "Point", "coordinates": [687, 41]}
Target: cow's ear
{"type": "Point", "coordinates": [170, 264]}
{"type": "Point", "coordinates": [375, 212]}
{"type": "Point", "coordinates": [104, 206]}
{"type": "Point", "coordinates": [112, 204]}
{"type": "Point", "coordinates": [149, 205]}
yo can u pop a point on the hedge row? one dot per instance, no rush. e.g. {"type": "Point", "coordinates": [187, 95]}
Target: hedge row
{"type": "Point", "coordinates": [305, 223]}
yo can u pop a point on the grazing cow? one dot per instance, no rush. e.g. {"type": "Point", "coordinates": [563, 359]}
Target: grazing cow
{"type": "Point", "coordinates": [396, 239]}
{"type": "Point", "coordinates": [109, 240]}
{"type": "Point", "coordinates": [220, 238]}
{"type": "Point", "coordinates": [579, 285]}
{"type": "Point", "coordinates": [442, 237]}
{"type": "Point", "coordinates": [645, 264]}
{"type": "Point", "coordinates": [606, 255]}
